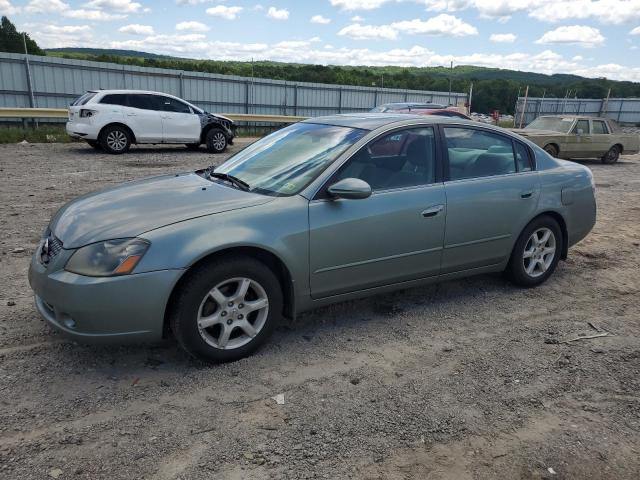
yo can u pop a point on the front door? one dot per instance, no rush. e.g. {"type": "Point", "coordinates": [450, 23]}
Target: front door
{"type": "Point", "coordinates": [179, 123]}
{"type": "Point", "coordinates": [492, 192]}
{"type": "Point", "coordinates": [579, 142]}
{"type": "Point", "coordinates": [394, 235]}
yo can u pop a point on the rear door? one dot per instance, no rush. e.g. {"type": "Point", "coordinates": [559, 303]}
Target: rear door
{"type": "Point", "coordinates": [492, 192]}
{"type": "Point", "coordinates": [180, 124]}
{"type": "Point", "coordinates": [601, 140]}
{"type": "Point", "coordinates": [142, 115]}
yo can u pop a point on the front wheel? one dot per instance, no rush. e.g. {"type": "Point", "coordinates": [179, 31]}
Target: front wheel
{"type": "Point", "coordinates": [611, 156]}
{"type": "Point", "coordinates": [216, 141]}
{"type": "Point", "coordinates": [226, 309]}
{"type": "Point", "coordinates": [536, 253]}
{"type": "Point", "coordinates": [115, 139]}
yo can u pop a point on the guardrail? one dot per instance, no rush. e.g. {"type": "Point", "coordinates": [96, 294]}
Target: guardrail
{"type": "Point", "coordinates": [64, 113]}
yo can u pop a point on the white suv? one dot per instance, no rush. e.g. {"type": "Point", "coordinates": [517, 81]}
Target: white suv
{"type": "Point", "coordinates": [114, 119]}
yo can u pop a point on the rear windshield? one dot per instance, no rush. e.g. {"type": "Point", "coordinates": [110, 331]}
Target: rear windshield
{"type": "Point", "coordinates": [84, 98]}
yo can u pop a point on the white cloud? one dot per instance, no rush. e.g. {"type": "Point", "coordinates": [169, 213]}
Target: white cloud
{"type": "Point", "coordinates": [67, 28]}
{"type": "Point", "coordinates": [320, 19]}
{"type": "Point", "coordinates": [6, 8]}
{"type": "Point", "coordinates": [607, 11]}
{"type": "Point", "coordinates": [192, 26]}
{"type": "Point", "coordinates": [119, 6]}
{"type": "Point", "coordinates": [573, 34]}
{"type": "Point", "coordinates": [53, 36]}
{"type": "Point", "coordinates": [191, 2]}
{"type": "Point", "coordinates": [357, 19]}
{"type": "Point", "coordinates": [46, 6]}
{"type": "Point", "coordinates": [369, 32]}
{"type": "Point", "coordinates": [442, 24]}
{"type": "Point", "coordinates": [577, 58]}
{"type": "Point", "coordinates": [350, 5]}
{"type": "Point", "coordinates": [137, 29]}
{"type": "Point", "coordinates": [503, 37]}
{"type": "Point", "coordinates": [229, 13]}
{"type": "Point", "coordinates": [278, 14]}
{"type": "Point", "coordinates": [64, 9]}
{"type": "Point", "coordinates": [635, 31]}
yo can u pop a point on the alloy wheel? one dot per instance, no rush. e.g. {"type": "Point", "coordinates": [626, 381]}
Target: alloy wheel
{"type": "Point", "coordinates": [219, 141]}
{"type": "Point", "coordinates": [539, 252]}
{"type": "Point", "coordinates": [117, 140]}
{"type": "Point", "coordinates": [233, 313]}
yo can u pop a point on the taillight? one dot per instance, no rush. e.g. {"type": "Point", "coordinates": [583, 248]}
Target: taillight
{"type": "Point", "coordinates": [86, 113]}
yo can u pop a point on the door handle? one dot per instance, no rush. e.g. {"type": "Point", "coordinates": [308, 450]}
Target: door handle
{"type": "Point", "coordinates": [432, 211]}
{"type": "Point", "coordinates": [527, 194]}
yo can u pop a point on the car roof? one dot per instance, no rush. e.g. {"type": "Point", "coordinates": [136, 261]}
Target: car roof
{"type": "Point", "coordinates": [569, 115]}
{"type": "Point", "coordinates": [133, 91]}
{"type": "Point", "coordinates": [372, 121]}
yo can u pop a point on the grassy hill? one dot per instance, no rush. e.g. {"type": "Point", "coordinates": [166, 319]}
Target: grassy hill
{"type": "Point", "coordinates": [494, 88]}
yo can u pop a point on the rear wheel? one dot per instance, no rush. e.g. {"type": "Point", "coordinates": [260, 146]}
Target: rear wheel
{"type": "Point", "coordinates": [611, 156]}
{"type": "Point", "coordinates": [94, 144]}
{"type": "Point", "coordinates": [216, 141]}
{"type": "Point", "coordinates": [115, 139]}
{"type": "Point", "coordinates": [536, 253]}
{"type": "Point", "coordinates": [551, 150]}
{"type": "Point", "coordinates": [226, 309]}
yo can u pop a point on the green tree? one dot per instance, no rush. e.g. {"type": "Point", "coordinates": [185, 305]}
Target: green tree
{"type": "Point", "coordinates": [11, 40]}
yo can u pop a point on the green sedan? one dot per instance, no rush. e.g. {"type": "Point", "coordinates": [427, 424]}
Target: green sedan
{"type": "Point", "coordinates": [325, 210]}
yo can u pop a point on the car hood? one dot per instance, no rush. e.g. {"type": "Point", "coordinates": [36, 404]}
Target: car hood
{"type": "Point", "coordinates": [530, 132]}
{"type": "Point", "coordinates": [133, 208]}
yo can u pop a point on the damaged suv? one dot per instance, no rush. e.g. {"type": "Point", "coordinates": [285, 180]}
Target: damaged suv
{"type": "Point", "coordinates": [112, 120]}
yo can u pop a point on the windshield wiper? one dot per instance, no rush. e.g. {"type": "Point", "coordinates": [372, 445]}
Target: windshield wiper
{"type": "Point", "coordinates": [241, 184]}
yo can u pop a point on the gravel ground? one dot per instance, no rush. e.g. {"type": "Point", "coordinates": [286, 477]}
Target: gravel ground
{"type": "Point", "coordinates": [462, 380]}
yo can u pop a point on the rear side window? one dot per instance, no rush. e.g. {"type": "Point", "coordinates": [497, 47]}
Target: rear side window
{"type": "Point", "coordinates": [523, 159]}
{"type": "Point", "coordinates": [144, 102]}
{"type": "Point", "coordinates": [169, 104]}
{"type": "Point", "coordinates": [82, 100]}
{"type": "Point", "coordinates": [115, 99]}
{"type": "Point", "coordinates": [599, 127]}
{"type": "Point", "coordinates": [476, 153]}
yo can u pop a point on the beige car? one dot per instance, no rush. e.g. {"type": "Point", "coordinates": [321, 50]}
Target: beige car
{"type": "Point", "coordinates": [570, 136]}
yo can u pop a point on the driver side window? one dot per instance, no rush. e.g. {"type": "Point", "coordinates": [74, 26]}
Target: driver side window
{"type": "Point", "coordinates": [581, 125]}
{"type": "Point", "coordinates": [403, 158]}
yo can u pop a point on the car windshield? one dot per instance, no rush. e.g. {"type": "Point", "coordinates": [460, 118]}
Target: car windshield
{"type": "Point", "coordinates": [556, 124]}
{"type": "Point", "coordinates": [286, 161]}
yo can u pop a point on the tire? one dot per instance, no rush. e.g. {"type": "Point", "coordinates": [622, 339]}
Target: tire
{"type": "Point", "coordinates": [195, 306]}
{"type": "Point", "coordinates": [216, 141]}
{"type": "Point", "coordinates": [192, 146]}
{"type": "Point", "coordinates": [551, 150]}
{"type": "Point", "coordinates": [115, 139]}
{"type": "Point", "coordinates": [94, 144]}
{"type": "Point", "coordinates": [520, 269]}
{"type": "Point", "coordinates": [611, 156]}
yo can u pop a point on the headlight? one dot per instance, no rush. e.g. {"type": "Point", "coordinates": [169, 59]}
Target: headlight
{"type": "Point", "coordinates": [106, 259]}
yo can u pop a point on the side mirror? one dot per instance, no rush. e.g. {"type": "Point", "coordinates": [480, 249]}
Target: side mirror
{"type": "Point", "coordinates": [580, 131]}
{"type": "Point", "coordinates": [350, 188]}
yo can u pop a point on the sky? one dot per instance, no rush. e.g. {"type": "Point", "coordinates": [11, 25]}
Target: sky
{"type": "Point", "coordinates": [593, 38]}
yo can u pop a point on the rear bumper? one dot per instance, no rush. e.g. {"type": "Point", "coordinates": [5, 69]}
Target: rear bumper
{"type": "Point", "coordinates": [103, 310]}
{"type": "Point", "coordinates": [81, 130]}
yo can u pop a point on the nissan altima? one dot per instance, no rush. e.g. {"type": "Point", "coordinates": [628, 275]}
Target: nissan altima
{"type": "Point", "coordinates": [324, 210]}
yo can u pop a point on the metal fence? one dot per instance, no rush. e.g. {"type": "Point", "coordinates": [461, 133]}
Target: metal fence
{"type": "Point", "coordinates": [622, 110]}
{"type": "Point", "coordinates": [51, 82]}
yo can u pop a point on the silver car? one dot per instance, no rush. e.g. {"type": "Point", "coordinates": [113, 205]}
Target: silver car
{"type": "Point", "coordinates": [322, 211]}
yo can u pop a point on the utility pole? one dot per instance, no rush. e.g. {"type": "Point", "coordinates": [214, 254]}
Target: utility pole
{"type": "Point", "coordinates": [524, 106]}
{"type": "Point", "coordinates": [450, 74]}
{"type": "Point", "coordinates": [469, 100]}
{"type": "Point", "coordinates": [29, 82]}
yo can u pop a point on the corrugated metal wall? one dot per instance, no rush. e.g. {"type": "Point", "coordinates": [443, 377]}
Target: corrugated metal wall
{"type": "Point", "coordinates": [56, 82]}
{"type": "Point", "coordinates": [622, 110]}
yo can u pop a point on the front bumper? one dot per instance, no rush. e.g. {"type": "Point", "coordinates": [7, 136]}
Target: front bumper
{"type": "Point", "coordinates": [123, 309]}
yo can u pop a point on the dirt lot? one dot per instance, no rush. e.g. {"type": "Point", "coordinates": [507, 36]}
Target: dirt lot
{"type": "Point", "coordinates": [462, 380]}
